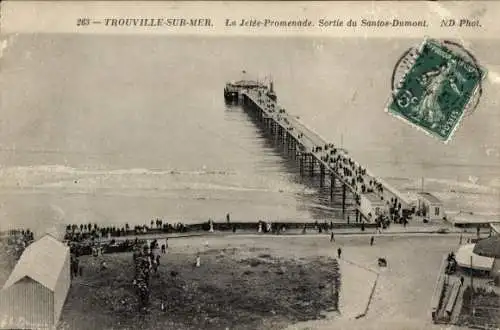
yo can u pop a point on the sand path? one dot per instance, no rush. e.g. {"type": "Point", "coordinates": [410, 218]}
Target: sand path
{"type": "Point", "coordinates": [402, 296]}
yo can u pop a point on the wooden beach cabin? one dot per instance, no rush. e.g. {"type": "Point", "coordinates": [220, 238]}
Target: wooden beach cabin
{"type": "Point", "coordinates": [430, 206]}
{"type": "Point", "coordinates": [373, 205]}
{"type": "Point", "coordinates": [34, 294]}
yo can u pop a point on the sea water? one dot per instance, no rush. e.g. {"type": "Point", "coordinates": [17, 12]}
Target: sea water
{"type": "Point", "coordinates": [115, 129]}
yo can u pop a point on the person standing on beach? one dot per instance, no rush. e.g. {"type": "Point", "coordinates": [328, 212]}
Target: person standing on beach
{"type": "Point", "coordinates": [332, 237]}
{"type": "Point", "coordinates": [166, 245]}
{"type": "Point", "coordinates": [371, 240]}
{"type": "Point", "coordinates": [154, 265]}
{"type": "Point", "coordinates": [339, 252]}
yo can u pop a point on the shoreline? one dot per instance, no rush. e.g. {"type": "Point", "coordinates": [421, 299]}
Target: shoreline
{"type": "Point", "coordinates": [252, 228]}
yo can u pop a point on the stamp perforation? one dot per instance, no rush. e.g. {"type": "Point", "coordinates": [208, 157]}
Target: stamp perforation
{"type": "Point", "coordinates": [446, 130]}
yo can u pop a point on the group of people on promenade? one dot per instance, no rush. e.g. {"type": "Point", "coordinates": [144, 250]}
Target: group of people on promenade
{"type": "Point", "coordinates": [96, 236]}
{"type": "Point", "coordinates": [82, 232]}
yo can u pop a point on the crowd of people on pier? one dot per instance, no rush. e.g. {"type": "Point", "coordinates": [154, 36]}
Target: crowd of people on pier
{"type": "Point", "coordinates": [349, 170]}
{"type": "Point", "coordinates": [336, 159]}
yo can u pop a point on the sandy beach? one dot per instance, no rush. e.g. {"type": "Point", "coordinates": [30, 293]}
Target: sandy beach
{"type": "Point", "coordinates": [64, 161]}
{"type": "Point", "coordinates": [403, 291]}
{"type": "Point", "coordinates": [129, 129]}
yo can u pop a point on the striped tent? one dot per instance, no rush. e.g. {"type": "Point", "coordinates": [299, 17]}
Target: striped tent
{"type": "Point", "coordinates": [490, 247]}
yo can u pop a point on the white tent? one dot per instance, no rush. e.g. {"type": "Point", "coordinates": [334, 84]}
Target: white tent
{"type": "Point", "coordinates": [465, 257]}
{"type": "Point", "coordinates": [35, 292]}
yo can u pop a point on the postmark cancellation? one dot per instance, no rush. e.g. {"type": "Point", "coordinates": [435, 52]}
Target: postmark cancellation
{"type": "Point", "coordinates": [441, 82]}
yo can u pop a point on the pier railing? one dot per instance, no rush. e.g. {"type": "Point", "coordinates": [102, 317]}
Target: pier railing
{"type": "Point", "coordinates": [306, 140]}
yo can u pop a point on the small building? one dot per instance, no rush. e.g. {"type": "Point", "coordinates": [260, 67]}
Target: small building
{"type": "Point", "coordinates": [34, 294]}
{"type": "Point", "coordinates": [466, 219]}
{"type": "Point", "coordinates": [372, 206]}
{"type": "Point", "coordinates": [430, 207]}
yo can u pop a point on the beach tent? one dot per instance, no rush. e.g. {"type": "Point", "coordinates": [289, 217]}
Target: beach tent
{"type": "Point", "coordinates": [490, 247]}
{"type": "Point", "coordinates": [466, 258]}
{"type": "Point", "coordinates": [34, 294]}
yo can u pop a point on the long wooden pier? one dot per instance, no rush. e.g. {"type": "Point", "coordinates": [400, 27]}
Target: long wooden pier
{"type": "Point", "coordinates": [352, 185]}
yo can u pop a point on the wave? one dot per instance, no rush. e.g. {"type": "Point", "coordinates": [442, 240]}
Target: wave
{"type": "Point", "coordinates": [197, 188]}
{"type": "Point", "coordinates": [457, 196]}
{"type": "Point", "coordinates": [204, 184]}
{"type": "Point", "coordinates": [70, 170]}
{"type": "Point", "coordinates": [445, 185]}
{"type": "Point", "coordinates": [489, 151]}
{"type": "Point", "coordinates": [44, 174]}
{"type": "Point", "coordinates": [142, 180]}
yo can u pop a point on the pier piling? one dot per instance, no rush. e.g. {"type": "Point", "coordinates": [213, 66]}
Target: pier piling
{"type": "Point", "coordinates": [312, 153]}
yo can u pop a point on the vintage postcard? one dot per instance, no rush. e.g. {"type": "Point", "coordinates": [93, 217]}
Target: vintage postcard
{"type": "Point", "coordinates": [249, 165]}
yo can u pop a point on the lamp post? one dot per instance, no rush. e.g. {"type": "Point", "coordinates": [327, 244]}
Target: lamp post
{"type": "Point", "coordinates": [472, 288]}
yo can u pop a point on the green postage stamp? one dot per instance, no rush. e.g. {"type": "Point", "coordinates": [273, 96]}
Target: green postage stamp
{"type": "Point", "coordinates": [438, 87]}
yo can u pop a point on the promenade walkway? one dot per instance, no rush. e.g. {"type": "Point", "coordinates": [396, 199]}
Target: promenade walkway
{"type": "Point", "coordinates": [331, 158]}
{"type": "Point", "coordinates": [392, 231]}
